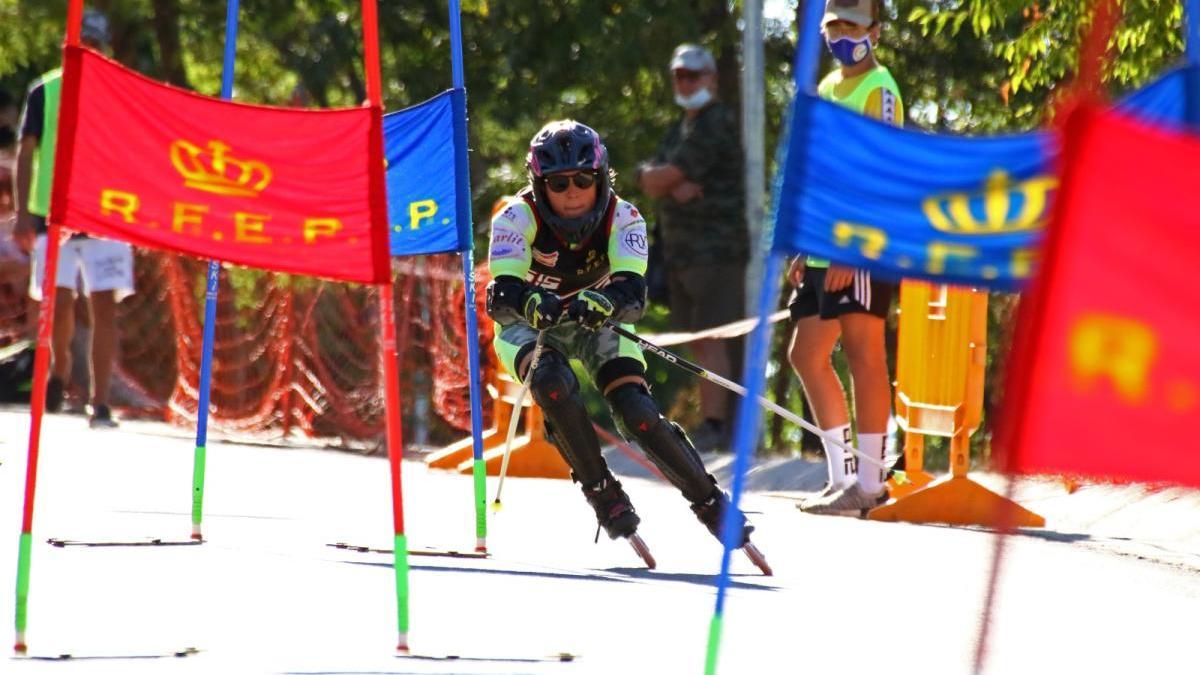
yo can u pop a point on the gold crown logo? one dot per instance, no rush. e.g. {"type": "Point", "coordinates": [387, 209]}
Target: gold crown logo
{"type": "Point", "coordinates": [952, 212]}
{"type": "Point", "coordinates": [217, 171]}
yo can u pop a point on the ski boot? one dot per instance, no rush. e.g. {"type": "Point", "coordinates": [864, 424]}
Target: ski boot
{"type": "Point", "coordinates": [615, 514]}
{"type": "Point", "coordinates": [711, 512]}
{"type": "Point", "coordinates": [613, 510]}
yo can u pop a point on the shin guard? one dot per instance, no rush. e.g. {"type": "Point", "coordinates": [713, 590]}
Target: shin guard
{"type": "Point", "coordinates": [556, 389]}
{"type": "Point", "coordinates": [663, 441]}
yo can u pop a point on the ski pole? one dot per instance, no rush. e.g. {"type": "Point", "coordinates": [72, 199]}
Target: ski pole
{"type": "Point", "coordinates": [741, 391]}
{"type": "Point", "coordinates": [512, 422]}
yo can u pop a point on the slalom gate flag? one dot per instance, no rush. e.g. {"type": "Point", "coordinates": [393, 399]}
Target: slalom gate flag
{"type": "Point", "coordinates": [1105, 344]}
{"type": "Point", "coordinates": [419, 146]}
{"type": "Point", "coordinates": [908, 204]}
{"type": "Point", "coordinates": [299, 191]}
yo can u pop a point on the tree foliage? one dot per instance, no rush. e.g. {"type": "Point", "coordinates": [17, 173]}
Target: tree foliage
{"type": "Point", "coordinates": [1038, 42]}
{"type": "Point", "coordinates": [526, 61]}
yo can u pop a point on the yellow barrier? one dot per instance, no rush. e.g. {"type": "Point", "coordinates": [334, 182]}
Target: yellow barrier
{"type": "Point", "coordinates": [532, 455]}
{"type": "Point", "coordinates": [939, 392]}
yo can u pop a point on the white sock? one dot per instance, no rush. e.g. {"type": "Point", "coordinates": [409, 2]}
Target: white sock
{"type": "Point", "coordinates": [842, 465]}
{"type": "Point", "coordinates": [871, 477]}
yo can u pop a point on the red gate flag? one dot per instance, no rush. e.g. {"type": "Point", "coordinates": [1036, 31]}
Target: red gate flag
{"type": "Point", "coordinates": [288, 190]}
{"type": "Point", "coordinates": [1105, 375]}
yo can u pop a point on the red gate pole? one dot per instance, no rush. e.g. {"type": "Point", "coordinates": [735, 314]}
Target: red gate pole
{"type": "Point", "coordinates": [41, 360]}
{"type": "Point", "coordinates": [387, 315]}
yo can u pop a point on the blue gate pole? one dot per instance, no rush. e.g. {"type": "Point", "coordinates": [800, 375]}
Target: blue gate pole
{"type": "Point", "coordinates": [210, 305]}
{"type": "Point", "coordinates": [466, 244]}
{"type": "Point", "coordinates": [745, 434]}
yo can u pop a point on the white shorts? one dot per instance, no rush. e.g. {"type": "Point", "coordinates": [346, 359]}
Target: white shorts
{"type": "Point", "coordinates": [101, 264]}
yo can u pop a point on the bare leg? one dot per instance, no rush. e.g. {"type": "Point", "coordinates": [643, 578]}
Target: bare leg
{"type": "Point", "coordinates": [810, 355]}
{"type": "Point", "coordinates": [104, 344]}
{"type": "Point", "coordinates": [64, 330]}
{"type": "Point", "coordinates": [862, 338]}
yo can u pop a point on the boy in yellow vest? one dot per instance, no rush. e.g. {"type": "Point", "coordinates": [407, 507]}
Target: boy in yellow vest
{"type": "Point", "coordinates": [833, 302]}
{"type": "Point", "coordinates": [106, 267]}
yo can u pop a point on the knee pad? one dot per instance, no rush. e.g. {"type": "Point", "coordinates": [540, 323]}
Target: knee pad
{"type": "Point", "coordinates": [636, 411]}
{"type": "Point", "coordinates": [663, 440]}
{"type": "Point", "coordinates": [553, 384]}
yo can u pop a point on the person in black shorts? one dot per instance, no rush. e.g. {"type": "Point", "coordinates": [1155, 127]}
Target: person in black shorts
{"type": "Point", "coordinates": [835, 303]}
{"type": "Point", "coordinates": [832, 304]}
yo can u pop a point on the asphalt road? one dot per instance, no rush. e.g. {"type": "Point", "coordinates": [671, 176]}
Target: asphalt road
{"type": "Point", "coordinates": [265, 594]}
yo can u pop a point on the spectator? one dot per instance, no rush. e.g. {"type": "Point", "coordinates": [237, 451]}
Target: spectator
{"type": "Point", "coordinates": [14, 262]}
{"type": "Point", "coordinates": [697, 178]}
{"type": "Point", "coordinates": [105, 267]}
{"type": "Point", "coordinates": [833, 302]}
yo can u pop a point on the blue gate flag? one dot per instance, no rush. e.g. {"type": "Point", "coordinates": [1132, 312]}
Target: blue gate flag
{"type": "Point", "coordinates": [418, 143]}
{"type": "Point", "coordinates": [1164, 101]}
{"type": "Point", "coordinates": [909, 204]}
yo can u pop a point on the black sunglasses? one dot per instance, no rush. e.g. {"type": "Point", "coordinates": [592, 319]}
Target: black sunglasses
{"type": "Point", "coordinates": [559, 183]}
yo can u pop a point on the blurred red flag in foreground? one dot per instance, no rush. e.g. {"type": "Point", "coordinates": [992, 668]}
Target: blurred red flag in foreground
{"type": "Point", "coordinates": [1104, 379]}
{"type": "Point", "coordinates": [289, 190]}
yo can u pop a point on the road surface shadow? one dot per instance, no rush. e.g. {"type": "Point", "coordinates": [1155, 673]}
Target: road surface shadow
{"type": "Point", "coordinates": [503, 572]}
{"type": "Point", "coordinates": [621, 575]}
{"type": "Point", "coordinates": [688, 578]}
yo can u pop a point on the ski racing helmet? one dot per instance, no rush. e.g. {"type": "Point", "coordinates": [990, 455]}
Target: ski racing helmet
{"type": "Point", "coordinates": [567, 145]}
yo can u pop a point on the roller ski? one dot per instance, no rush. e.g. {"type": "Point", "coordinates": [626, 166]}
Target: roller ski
{"type": "Point", "coordinates": [711, 512]}
{"type": "Point", "coordinates": [615, 515]}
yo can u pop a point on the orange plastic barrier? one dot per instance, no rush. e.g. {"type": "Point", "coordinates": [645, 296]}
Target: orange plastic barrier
{"type": "Point", "coordinates": [532, 455]}
{"type": "Point", "coordinates": [454, 454]}
{"type": "Point", "coordinates": [939, 392]}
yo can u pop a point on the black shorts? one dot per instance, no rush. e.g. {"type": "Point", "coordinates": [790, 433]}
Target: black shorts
{"type": "Point", "coordinates": [864, 295]}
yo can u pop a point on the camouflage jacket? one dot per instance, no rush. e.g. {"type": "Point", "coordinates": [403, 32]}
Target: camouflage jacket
{"type": "Point", "coordinates": [712, 228]}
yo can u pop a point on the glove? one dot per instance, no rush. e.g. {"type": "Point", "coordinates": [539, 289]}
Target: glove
{"type": "Point", "coordinates": [591, 309]}
{"type": "Point", "coordinates": [542, 309]}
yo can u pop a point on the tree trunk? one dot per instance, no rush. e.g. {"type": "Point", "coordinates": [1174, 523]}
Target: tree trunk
{"type": "Point", "coordinates": [166, 30]}
{"type": "Point", "coordinates": [715, 20]}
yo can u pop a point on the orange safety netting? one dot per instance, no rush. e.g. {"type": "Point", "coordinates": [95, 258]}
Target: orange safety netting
{"type": "Point", "coordinates": [293, 353]}
{"type": "Point", "coordinates": [13, 290]}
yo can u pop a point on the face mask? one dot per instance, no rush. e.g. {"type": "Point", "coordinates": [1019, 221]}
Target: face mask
{"type": "Point", "coordinates": [698, 99]}
{"type": "Point", "coordinates": [849, 51]}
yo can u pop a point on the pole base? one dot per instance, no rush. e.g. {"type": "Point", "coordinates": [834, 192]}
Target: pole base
{"type": "Point", "coordinates": [958, 501]}
{"type": "Point", "coordinates": [481, 545]}
{"type": "Point", "coordinates": [20, 647]}
{"type": "Point", "coordinates": [402, 643]}
{"type": "Point", "coordinates": [915, 481]}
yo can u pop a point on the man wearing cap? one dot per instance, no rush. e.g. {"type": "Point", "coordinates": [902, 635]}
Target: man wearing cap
{"type": "Point", "coordinates": [697, 178]}
{"type": "Point", "coordinates": [833, 302]}
{"type": "Point", "coordinates": [105, 267]}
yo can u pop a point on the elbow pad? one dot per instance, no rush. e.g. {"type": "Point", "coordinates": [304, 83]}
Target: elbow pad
{"type": "Point", "coordinates": [504, 298]}
{"type": "Point", "coordinates": [628, 292]}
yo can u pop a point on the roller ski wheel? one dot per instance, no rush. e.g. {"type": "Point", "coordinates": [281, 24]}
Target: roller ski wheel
{"type": "Point", "coordinates": [643, 551]}
{"type": "Point", "coordinates": [756, 556]}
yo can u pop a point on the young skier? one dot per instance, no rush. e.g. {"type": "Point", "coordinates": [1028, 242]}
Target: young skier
{"type": "Point", "coordinates": [568, 255]}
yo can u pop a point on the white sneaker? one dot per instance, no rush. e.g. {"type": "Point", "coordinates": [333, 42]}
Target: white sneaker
{"type": "Point", "coordinates": [851, 501]}
{"type": "Point", "coordinates": [825, 491]}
